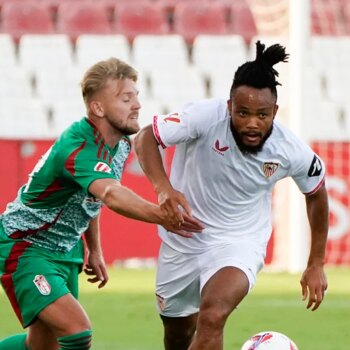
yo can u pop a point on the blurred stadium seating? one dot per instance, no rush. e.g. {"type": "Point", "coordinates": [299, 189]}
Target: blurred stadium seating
{"type": "Point", "coordinates": [213, 36]}
{"type": "Point", "coordinates": [82, 17]}
{"type": "Point", "coordinates": [191, 19]}
{"type": "Point", "coordinates": [183, 50]}
{"type": "Point", "coordinates": [142, 17]}
{"type": "Point", "coordinates": [19, 17]}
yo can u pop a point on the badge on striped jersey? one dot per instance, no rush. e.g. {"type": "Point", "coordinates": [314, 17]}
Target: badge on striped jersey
{"type": "Point", "coordinates": [42, 284]}
{"type": "Point", "coordinates": [270, 168]}
{"type": "Point", "coordinates": [103, 167]}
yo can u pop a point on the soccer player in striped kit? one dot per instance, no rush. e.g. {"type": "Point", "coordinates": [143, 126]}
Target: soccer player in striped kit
{"type": "Point", "coordinates": [41, 250]}
{"type": "Point", "coordinates": [228, 157]}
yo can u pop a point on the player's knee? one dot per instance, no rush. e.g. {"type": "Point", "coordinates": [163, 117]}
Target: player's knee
{"type": "Point", "coordinates": [178, 337]}
{"type": "Point", "coordinates": [213, 317]}
{"type": "Point", "coordinates": [180, 342]}
{"type": "Point", "coordinates": [81, 341]}
{"type": "Point", "coordinates": [174, 335]}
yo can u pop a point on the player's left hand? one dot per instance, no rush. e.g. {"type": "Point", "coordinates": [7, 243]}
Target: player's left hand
{"type": "Point", "coordinates": [186, 228]}
{"type": "Point", "coordinates": [96, 267]}
{"type": "Point", "coordinates": [314, 286]}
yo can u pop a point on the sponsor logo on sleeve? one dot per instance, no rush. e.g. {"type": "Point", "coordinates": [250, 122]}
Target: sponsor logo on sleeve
{"type": "Point", "coordinates": [42, 284]}
{"type": "Point", "coordinates": [103, 168]}
{"type": "Point", "coordinates": [173, 118]}
{"type": "Point", "coordinates": [269, 168]}
{"type": "Point", "coordinates": [315, 168]}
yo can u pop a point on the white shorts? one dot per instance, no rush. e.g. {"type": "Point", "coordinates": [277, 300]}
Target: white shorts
{"type": "Point", "coordinates": [181, 276]}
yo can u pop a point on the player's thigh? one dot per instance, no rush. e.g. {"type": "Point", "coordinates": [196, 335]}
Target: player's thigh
{"type": "Point", "coordinates": [224, 290]}
{"type": "Point", "coordinates": [229, 271]}
{"type": "Point", "coordinates": [65, 316]}
{"type": "Point", "coordinates": [35, 284]}
{"type": "Point", "coordinates": [40, 337]}
{"type": "Point", "coordinates": [177, 288]}
{"type": "Point", "coordinates": [73, 280]}
{"type": "Point", "coordinates": [245, 255]}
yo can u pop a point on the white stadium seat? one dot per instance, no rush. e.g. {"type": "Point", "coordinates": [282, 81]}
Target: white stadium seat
{"type": "Point", "coordinates": [15, 83]}
{"type": "Point", "coordinates": [58, 85]}
{"type": "Point", "coordinates": [24, 118]}
{"type": "Point", "coordinates": [175, 87]}
{"type": "Point", "coordinates": [38, 52]}
{"type": "Point", "coordinates": [93, 48]}
{"type": "Point", "coordinates": [212, 51]}
{"type": "Point", "coordinates": [64, 113]}
{"type": "Point", "coordinates": [150, 52]}
{"type": "Point", "coordinates": [8, 52]}
{"type": "Point", "coordinates": [322, 121]}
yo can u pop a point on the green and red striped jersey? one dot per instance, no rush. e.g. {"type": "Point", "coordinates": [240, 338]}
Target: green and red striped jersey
{"type": "Point", "coordinates": [54, 208]}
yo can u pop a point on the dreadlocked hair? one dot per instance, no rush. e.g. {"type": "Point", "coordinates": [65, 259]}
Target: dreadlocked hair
{"type": "Point", "coordinates": [260, 73]}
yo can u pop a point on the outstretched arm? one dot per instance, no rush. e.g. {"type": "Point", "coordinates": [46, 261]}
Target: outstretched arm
{"type": "Point", "coordinates": [127, 203]}
{"type": "Point", "coordinates": [314, 281]}
{"type": "Point", "coordinates": [171, 201]}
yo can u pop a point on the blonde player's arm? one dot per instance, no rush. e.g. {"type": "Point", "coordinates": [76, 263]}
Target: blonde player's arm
{"type": "Point", "coordinates": [124, 201]}
{"type": "Point", "coordinates": [96, 266]}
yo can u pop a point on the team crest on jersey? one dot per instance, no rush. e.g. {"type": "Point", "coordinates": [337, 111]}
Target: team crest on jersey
{"type": "Point", "coordinates": [160, 302]}
{"type": "Point", "coordinates": [41, 283]}
{"type": "Point", "coordinates": [269, 168]}
{"type": "Point", "coordinates": [103, 167]}
{"type": "Point", "coordinates": [315, 167]}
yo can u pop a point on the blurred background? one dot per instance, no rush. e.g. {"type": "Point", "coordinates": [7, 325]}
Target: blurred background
{"type": "Point", "coordinates": [184, 50]}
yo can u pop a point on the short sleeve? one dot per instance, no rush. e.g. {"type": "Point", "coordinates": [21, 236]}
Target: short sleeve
{"type": "Point", "coordinates": [84, 165]}
{"type": "Point", "coordinates": [308, 170]}
{"type": "Point", "coordinates": [184, 126]}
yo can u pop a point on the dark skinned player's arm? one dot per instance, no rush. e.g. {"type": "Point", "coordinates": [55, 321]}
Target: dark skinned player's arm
{"type": "Point", "coordinates": [313, 281]}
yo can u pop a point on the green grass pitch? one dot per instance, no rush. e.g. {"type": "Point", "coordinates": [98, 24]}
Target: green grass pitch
{"type": "Point", "coordinates": [124, 315]}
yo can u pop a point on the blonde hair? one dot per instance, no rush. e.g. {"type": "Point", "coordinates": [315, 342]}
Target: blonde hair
{"type": "Point", "coordinates": [96, 76]}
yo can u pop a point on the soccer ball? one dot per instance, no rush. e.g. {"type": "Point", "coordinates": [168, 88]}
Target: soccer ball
{"type": "Point", "coordinates": [269, 340]}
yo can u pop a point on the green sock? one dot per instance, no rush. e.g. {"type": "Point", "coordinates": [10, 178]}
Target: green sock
{"type": "Point", "coordinates": [16, 342]}
{"type": "Point", "coordinates": [79, 341]}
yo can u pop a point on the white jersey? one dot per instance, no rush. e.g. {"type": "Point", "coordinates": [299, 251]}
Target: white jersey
{"type": "Point", "coordinates": [230, 192]}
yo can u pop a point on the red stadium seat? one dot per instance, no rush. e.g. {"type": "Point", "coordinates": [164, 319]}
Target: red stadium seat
{"type": "Point", "coordinates": [134, 18]}
{"type": "Point", "coordinates": [242, 20]}
{"type": "Point", "coordinates": [190, 19]}
{"type": "Point", "coordinates": [328, 17]}
{"type": "Point", "coordinates": [82, 17]}
{"type": "Point", "coordinates": [29, 17]}
{"type": "Point", "coordinates": [169, 5]}
{"type": "Point", "coordinates": [2, 2]}
{"type": "Point", "coordinates": [347, 17]}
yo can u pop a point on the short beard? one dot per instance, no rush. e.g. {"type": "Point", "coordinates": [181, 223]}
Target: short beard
{"type": "Point", "coordinates": [124, 130]}
{"type": "Point", "coordinates": [249, 149]}
{"type": "Point", "coordinates": [128, 131]}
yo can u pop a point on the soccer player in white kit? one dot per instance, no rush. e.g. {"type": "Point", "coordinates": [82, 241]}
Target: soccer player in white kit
{"type": "Point", "coordinates": [228, 157]}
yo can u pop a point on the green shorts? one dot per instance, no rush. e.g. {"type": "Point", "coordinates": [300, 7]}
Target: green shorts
{"type": "Point", "coordinates": [33, 278]}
